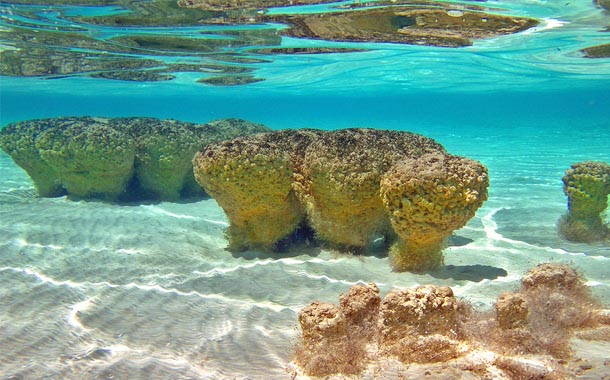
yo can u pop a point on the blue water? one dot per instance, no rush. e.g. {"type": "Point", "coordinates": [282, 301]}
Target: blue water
{"type": "Point", "coordinates": [93, 290]}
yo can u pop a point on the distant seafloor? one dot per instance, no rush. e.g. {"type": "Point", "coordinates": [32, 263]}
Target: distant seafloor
{"type": "Point", "coordinates": [90, 289]}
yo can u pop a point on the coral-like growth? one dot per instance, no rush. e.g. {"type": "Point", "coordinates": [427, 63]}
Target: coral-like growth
{"type": "Point", "coordinates": [350, 186]}
{"type": "Point", "coordinates": [526, 338]}
{"type": "Point", "coordinates": [587, 186]}
{"type": "Point", "coordinates": [327, 347]}
{"type": "Point", "coordinates": [511, 310]}
{"type": "Point", "coordinates": [539, 317]}
{"type": "Point", "coordinates": [165, 150]}
{"type": "Point", "coordinates": [428, 198]}
{"type": "Point", "coordinates": [131, 158]}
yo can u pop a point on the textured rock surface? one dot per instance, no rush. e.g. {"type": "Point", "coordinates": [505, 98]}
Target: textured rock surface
{"type": "Point", "coordinates": [251, 179]}
{"type": "Point", "coordinates": [327, 346]}
{"type": "Point", "coordinates": [426, 331]}
{"type": "Point", "coordinates": [427, 198]}
{"type": "Point", "coordinates": [352, 187]}
{"type": "Point", "coordinates": [553, 276]}
{"type": "Point", "coordinates": [18, 140]}
{"type": "Point", "coordinates": [131, 158]}
{"type": "Point", "coordinates": [361, 309]}
{"type": "Point", "coordinates": [511, 310]}
{"type": "Point", "coordinates": [420, 311]}
{"type": "Point", "coordinates": [342, 172]}
{"type": "Point", "coordinates": [587, 186]}
{"type": "Point", "coordinates": [91, 159]}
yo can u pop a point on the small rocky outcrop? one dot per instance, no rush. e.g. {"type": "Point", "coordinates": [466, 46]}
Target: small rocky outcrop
{"type": "Point", "coordinates": [428, 328]}
{"type": "Point", "coordinates": [587, 186]}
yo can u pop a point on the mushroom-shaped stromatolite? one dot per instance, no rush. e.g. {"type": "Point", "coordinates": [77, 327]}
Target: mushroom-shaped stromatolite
{"type": "Point", "coordinates": [91, 157]}
{"type": "Point", "coordinates": [350, 186]}
{"type": "Point", "coordinates": [342, 172]}
{"type": "Point", "coordinates": [251, 178]}
{"type": "Point", "coordinates": [165, 150]}
{"type": "Point", "coordinates": [18, 140]}
{"type": "Point", "coordinates": [587, 185]}
{"type": "Point", "coordinates": [427, 198]}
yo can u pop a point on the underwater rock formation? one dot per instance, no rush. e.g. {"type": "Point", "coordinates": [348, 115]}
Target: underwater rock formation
{"type": "Point", "coordinates": [342, 172]}
{"type": "Point", "coordinates": [90, 158]}
{"type": "Point", "coordinates": [352, 187]}
{"type": "Point", "coordinates": [527, 337]}
{"type": "Point", "coordinates": [419, 325]}
{"type": "Point", "coordinates": [120, 158]}
{"type": "Point", "coordinates": [223, 5]}
{"type": "Point", "coordinates": [334, 338]}
{"type": "Point", "coordinates": [427, 199]}
{"type": "Point", "coordinates": [587, 186]}
{"type": "Point", "coordinates": [251, 178]}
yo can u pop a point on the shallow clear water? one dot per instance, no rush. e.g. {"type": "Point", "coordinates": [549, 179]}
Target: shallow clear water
{"type": "Point", "coordinates": [90, 289]}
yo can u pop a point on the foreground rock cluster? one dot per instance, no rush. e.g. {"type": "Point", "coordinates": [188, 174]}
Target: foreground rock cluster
{"type": "Point", "coordinates": [114, 158]}
{"type": "Point", "coordinates": [587, 186]}
{"type": "Point", "coordinates": [352, 187]}
{"type": "Point", "coordinates": [526, 336]}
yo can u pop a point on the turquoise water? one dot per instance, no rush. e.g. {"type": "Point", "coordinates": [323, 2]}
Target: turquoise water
{"type": "Point", "coordinates": [94, 290]}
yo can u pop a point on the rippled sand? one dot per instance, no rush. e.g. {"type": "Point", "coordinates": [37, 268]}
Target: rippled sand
{"type": "Point", "coordinates": [98, 290]}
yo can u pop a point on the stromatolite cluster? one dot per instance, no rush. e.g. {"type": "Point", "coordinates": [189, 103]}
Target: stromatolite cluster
{"type": "Point", "coordinates": [352, 187]}
{"type": "Point", "coordinates": [527, 337]}
{"type": "Point", "coordinates": [111, 158]}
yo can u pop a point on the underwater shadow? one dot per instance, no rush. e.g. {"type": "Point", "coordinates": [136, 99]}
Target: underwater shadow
{"type": "Point", "coordinates": [474, 273]}
{"type": "Point", "coordinates": [275, 255]}
{"type": "Point", "coordinates": [458, 241]}
{"type": "Point", "coordinates": [298, 243]}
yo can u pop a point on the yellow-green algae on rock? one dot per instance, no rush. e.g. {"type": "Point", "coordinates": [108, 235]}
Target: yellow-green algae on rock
{"type": "Point", "coordinates": [428, 198]}
{"type": "Point", "coordinates": [587, 186]}
{"type": "Point", "coordinates": [114, 158]}
{"type": "Point", "coordinates": [342, 172]}
{"type": "Point", "coordinates": [337, 184]}
{"type": "Point", "coordinates": [90, 160]}
{"type": "Point", "coordinates": [255, 192]}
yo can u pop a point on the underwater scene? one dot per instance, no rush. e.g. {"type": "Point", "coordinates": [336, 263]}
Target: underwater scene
{"type": "Point", "coordinates": [268, 189]}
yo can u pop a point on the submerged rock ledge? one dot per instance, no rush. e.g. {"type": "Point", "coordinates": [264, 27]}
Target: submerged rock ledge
{"type": "Point", "coordinates": [115, 158]}
{"type": "Point", "coordinates": [425, 331]}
